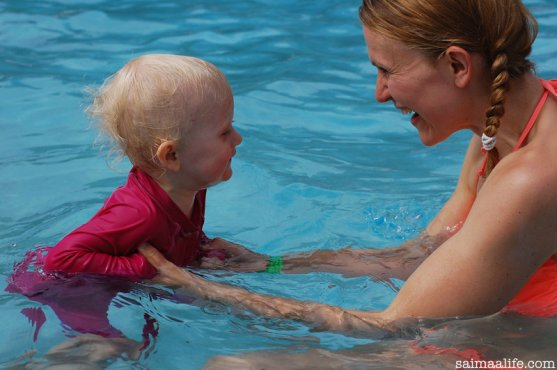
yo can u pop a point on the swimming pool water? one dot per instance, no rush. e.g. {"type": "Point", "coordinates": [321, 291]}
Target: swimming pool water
{"type": "Point", "coordinates": [322, 164]}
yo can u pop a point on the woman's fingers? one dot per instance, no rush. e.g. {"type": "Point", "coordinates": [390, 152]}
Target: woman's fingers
{"type": "Point", "coordinates": [152, 255]}
{"type": "Point", "coordinates": [163, 266]}
{"type": "Point", "coordinates": [169, 273]}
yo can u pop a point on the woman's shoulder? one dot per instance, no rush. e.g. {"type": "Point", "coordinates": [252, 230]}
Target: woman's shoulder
{"type": "Point", "coordinates": [517, 204]}
{"type": "Point", "coordinates": [527, 180]}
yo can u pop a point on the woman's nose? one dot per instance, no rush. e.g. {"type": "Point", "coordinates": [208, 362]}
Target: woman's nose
{"type": "Point", "coordinates": [382, 94]}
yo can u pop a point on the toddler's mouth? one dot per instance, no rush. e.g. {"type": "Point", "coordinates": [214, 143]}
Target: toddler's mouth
{"type": "Point", "coordinates": [406, 111]}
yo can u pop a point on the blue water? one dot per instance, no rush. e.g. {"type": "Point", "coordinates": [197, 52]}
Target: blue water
{"type": "Point", "coordinates": [322, 164]}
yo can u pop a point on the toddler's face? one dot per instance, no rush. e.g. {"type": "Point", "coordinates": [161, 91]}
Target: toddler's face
{"type": "Point", "coordinates": [206, 152]}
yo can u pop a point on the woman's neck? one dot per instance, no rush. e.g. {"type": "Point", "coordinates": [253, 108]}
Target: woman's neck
{"type": "Point", "coordinates": [520, 102]}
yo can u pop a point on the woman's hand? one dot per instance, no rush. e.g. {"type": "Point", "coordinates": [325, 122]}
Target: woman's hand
{"type": "Point", "coordinates": [224, 255]}
{"type": "Point", "coordinates": [169, 273]}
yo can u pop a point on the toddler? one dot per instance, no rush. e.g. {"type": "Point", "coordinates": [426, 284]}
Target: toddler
{"type": "Point", "coordinates": [172, 117]}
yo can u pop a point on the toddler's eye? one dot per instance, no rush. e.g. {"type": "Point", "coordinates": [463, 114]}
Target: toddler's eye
{"type": "Point", "coordinates": [383, 71]}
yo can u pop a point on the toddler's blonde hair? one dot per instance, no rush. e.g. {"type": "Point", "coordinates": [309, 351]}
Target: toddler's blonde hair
{"type": "Point", "coordinates": [155, 98]}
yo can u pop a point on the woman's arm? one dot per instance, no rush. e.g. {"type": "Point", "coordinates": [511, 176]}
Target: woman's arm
{"type": "Point", "coordinates": [509, 233]}
{"type": "Point", "coordinates": [320, 316]}
{"type": "Point", "coordinates": [386, 263]}
{"type": "Point", "coordinates": [397, 262]}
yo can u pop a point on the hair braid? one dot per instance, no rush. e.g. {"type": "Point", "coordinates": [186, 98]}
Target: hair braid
{"type": "Point", "coordinates": [499, 86]}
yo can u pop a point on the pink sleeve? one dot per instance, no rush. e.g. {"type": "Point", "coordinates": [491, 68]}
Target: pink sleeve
{"type": "Point", "coordinates": [107, 244]}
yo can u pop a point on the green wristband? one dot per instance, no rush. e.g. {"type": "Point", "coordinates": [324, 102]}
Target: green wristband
{"type": "Point", "coordinates": [274, 265]}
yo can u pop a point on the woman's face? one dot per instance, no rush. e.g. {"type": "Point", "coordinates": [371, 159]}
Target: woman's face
{"type": "Point", "coordinates": [417, 85]}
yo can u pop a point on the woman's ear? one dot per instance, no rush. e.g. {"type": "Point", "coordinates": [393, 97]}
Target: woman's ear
{"type": "Point", "coordinates": [167, 155]}
{"type": "Point", "coordinates": [460, 65]}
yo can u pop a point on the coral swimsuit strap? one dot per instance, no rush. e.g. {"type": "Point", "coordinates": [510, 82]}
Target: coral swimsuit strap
{"type": "Point", "coordinates": [547, 89]}
{"type": "Point", "coordinates": [532, 120]}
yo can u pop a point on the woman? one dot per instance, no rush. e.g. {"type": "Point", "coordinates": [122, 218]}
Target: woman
{"type": "Point", "coordinates": [453, 65]}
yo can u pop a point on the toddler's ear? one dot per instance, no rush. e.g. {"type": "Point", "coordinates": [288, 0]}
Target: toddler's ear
{"type": "Point", "coordinates": [166, 154]}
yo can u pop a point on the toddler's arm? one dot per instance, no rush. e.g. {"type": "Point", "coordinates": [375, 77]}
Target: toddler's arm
{"type": "Point", "coordinates": [91, 254]}
{"type": "Point", "coordinates": [106, 244]}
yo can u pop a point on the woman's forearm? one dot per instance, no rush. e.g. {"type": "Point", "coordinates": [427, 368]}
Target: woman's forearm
{"type": "Point", "coordinates": [386, 263]}
{"type": "Point", "coordinates": [319, 316]}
